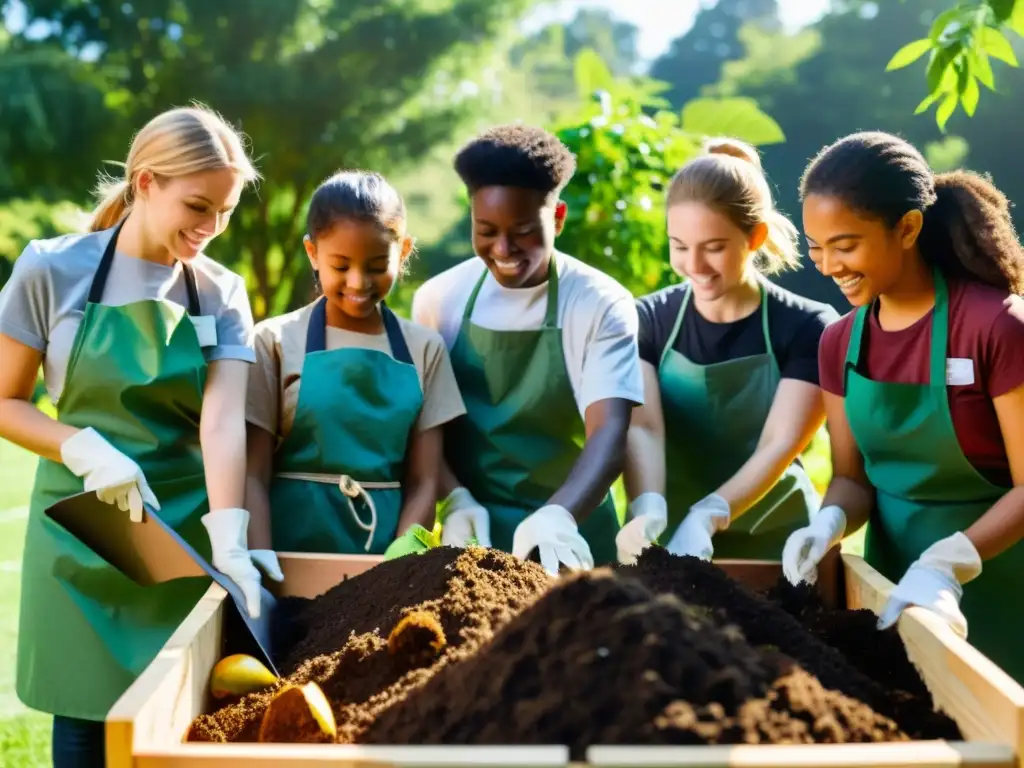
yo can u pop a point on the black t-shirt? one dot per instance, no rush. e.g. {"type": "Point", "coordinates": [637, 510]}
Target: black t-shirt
{"type": "Point", "coordinates": [795, 325]}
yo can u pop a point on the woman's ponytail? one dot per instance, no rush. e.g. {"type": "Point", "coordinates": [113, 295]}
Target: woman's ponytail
{"type": "Point", "coordinates": [968, 232]}
{"type": "Point", "coordinates": [115, 200]}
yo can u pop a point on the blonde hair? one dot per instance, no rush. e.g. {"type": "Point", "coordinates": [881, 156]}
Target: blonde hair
{"type": "Point", "coordinates": [177, 142]}
{"type": "Point", "coordinates": [728, 177]}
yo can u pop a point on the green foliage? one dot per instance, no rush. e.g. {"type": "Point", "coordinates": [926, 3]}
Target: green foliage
{"type": "Point", "coordinates": [628, 146]}
{"type": "Point", "coordinates": [960, 45]}
{"type": "Point", "coordinates": [317, 85]}
{"type": "Point", "coordinates": [22, 220]}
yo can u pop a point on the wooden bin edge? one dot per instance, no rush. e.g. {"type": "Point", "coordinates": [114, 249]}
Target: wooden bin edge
{"type": "Point", "coordinates": [986, 702]}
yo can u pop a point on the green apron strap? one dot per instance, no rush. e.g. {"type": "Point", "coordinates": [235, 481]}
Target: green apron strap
{"type": "Point", "coordinates": [468, 311]}
{"type": "Point", "coordinates": [764, 329]}
{"type": "Point", "coordinates": [940, 339]}
{"type": "Point", "coordinates": [676, 325]}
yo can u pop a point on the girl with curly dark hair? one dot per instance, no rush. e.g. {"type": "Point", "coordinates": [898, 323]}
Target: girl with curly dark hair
{"type": "Point", "coordinates": [924, 385]}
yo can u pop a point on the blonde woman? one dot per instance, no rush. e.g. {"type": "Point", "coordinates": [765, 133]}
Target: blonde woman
{"type": "Point", "coordinates": [730, 361]}
{"type": "Point", "coordinates": [145, 344]}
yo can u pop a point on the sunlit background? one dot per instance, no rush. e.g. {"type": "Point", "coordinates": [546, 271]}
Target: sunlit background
{"type": "Point", "coordinates": [398, 85]}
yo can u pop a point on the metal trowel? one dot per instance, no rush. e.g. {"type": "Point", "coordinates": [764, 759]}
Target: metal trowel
{"type": "Point", "coordinates": [151, 552]}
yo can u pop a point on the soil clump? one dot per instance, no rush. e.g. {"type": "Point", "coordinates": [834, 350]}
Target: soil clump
{"type": "Point", "coordinates": [455, 600]}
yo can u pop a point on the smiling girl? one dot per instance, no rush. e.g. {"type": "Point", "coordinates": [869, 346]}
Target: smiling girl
{"type": "Point", "coordinates": [144, 342]}
{"type": "Point", "coordinates": [924, 385]}
{"type": "Point", "coordinates": [347, 400]}
{"type": "Point", "coordinates": [731, 393]}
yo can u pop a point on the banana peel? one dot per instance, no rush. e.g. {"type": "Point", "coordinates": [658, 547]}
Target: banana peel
{"type": "Point", "coordinates": [239, 674]}
{"type": "Point", "coordinates": [298, 714]}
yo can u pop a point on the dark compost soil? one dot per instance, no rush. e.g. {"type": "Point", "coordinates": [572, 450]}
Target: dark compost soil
{"type": "Point", "coordinates": [477, 647]}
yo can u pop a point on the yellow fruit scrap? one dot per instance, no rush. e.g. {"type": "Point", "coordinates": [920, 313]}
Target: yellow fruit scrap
{"type": "Point", "coordinates": [298, 714]}
{"type": "Point", "coordinates": [239, 674]}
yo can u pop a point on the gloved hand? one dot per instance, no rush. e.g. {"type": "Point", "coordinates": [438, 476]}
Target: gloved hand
{"type": "Point", "coordinates": [228, 531]}
{"type": "Point", "coordinates": [934, 582]}
{"type": "Point", "coordinates": [267, 560]}
{"type": "Point", "coordinates": [553, 531]}
{"type": "Point", "coordinates": [704, 519]}
{"type": "Point", "coordinates": [464, 519]}
{"type": "Point", "coordinates": [650, 517]}
{"type": "Point", "coordinates": [806, 546]}
{"type": "Point", "coordinates": [115, 477]}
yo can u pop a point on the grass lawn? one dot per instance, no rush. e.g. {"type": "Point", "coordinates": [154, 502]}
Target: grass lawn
{"type": "Point", "coordinates": [24, 734]}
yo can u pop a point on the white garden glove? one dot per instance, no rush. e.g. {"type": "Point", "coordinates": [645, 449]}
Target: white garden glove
{"type": "Point", "coordinates": [464, 519]}
{"type": "Point", "coordinates": [650, 518]}
{"type": "Point", "coordinates": [806, 546]}
{"type": "Point", "coordinates": [228, 531]}
{"type": "Point", "coordinates": [115, 477]}
{"type": "Point", "coordinates": [703, 520]}
{"type": "Point", "coordinates": [934, 581]}
{"type": "Point", "coordinates": [553, 531]}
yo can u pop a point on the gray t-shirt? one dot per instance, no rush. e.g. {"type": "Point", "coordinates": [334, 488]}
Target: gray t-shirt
{"type": "Point", "coordinates": [43, 302]}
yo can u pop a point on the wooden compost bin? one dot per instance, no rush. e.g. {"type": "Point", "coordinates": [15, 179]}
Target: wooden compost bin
{"type": "Point", "coordinates": [147, 725]}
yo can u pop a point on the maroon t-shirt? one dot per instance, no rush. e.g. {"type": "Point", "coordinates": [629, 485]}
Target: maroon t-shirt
{"type": "Point", "coordinates": [985, 326]}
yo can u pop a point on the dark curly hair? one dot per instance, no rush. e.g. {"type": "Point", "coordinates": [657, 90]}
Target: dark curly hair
{"type": "Point", "coordinates": [967, 232]}
{"type": "Point", "coordinates": [516, 156]}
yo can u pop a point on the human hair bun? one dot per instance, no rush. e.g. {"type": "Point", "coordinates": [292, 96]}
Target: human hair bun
{"type": "Point", "coordinates": [734, 148]}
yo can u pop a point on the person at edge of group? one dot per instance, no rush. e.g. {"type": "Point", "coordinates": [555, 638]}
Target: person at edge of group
{"type": "Point", "coordinates": [347, 401]}
{"type": "Point", "coordinates": [144, 343]}
{"type": "Point", "coordinates": [924, 385]}
{"type": "Point", "coordinates": [544, 351]}
{"type": "Point", "coordinates": [730, 365]}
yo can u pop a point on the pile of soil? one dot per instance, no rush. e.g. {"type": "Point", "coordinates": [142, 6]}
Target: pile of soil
{"type": "Point", "coordinates": [843, 649]}
{"type": "Point", "coordinates": [484, 648]}
{"type": "Point", "coordinates": [602, 659]}
{"type": "Point", "coordinates": [452, 602]}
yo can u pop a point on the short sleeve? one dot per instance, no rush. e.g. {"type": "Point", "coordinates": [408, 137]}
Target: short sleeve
{"type": "Point", "coordinates": [1006, 349]}
{"type": "Point", "coordinates": [611, 365]}
{"type": "Point", "coordinates": [422, 310]}
{"type": "Point", "coordinates": [235, 325]}
{"type": "Point", "coordinates": [831, 356]}
{"type": "Point", "coordinates": [25, 301]}
{"type": "Point", "coordinates": [263, 397]}
{"type": "Point", "coordinates": [646, 337]}
{"type": "Point", "coordinates": [802, 356]}
{"type": "Point", "coordinates": [442, 401]}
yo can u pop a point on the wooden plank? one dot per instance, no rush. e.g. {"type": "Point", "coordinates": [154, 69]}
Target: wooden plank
{"type": "Point", "coordinates": [157, 709]}
{"type": "Point", "coordinates": [986, 703]}
{"type": "Point", "coordinates": [355, 756]}
{"type": "Point", "coordinates": [915, 754]}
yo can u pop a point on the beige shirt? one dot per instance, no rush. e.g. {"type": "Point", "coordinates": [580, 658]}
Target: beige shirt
{"type": "Point", "coordinates": [281, 349]}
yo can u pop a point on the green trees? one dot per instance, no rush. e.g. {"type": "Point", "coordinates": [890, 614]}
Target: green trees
{"type": "Point", "coordinates": [628, 144]}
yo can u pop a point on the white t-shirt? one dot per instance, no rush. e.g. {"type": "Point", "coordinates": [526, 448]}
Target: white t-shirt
{"type": "Point", "coordinates": [597, 316]}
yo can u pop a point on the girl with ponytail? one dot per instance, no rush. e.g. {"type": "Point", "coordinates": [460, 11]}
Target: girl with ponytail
{"type": "Point", "coordinates": [924, 385]}
{"type": "Point", "coordinates": [731, 395]}
{"type": "Point", "coordinates": [145, 343]}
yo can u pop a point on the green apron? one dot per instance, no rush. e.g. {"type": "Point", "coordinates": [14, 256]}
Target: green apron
{"type": "Point", "coordinates": [337, 483]}
{"type": "Point", "coordinates": [714, 415]}
{"type": "Point", "coordinates": [522, 432]}
{"type": "Point", "coordinates": [136, 375]}
{"type": "Point", "coordinates": [927, 489]}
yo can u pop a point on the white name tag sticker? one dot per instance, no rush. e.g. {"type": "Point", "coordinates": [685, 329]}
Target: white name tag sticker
{"type": "Point", "coordinates": [959, 371]}
{"type": "Point", "coordinates": [206, 329]}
